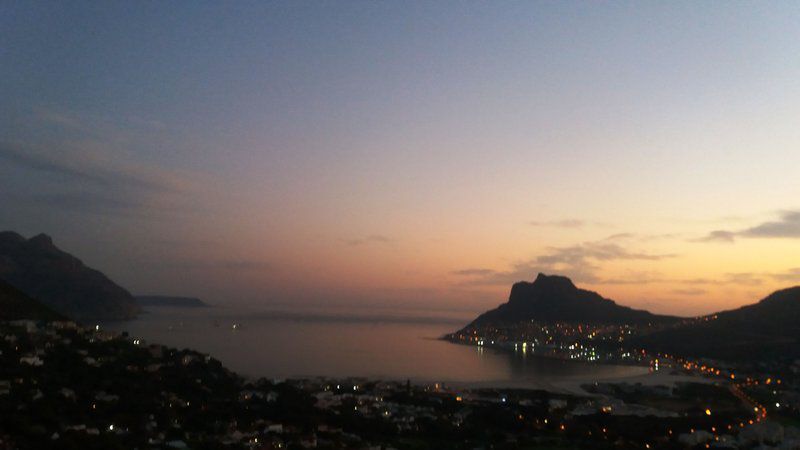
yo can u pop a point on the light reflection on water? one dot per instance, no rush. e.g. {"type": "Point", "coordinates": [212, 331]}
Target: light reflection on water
{"type": "Point", "coordinates": [387, 346]}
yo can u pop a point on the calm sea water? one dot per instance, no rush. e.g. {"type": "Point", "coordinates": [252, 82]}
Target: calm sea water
{"type": "Point", "coordinates": [385, 344]}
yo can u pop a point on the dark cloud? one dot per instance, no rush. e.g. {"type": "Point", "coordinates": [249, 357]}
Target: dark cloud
{"type": "Point", "coordinates": [371, 239]}
{"type": "Point", "coordinates": [29, 160]}
{"type": "Point", "coordinates": [98, 182]}
{"type": "Point", "coordinates": [787, 226]}
{"type": "Point", "coordinates": [91, 168]}
{"type": "Point", "coordinates": [718, 236]}
{"type": "Point", "coordinates": [520, 271]}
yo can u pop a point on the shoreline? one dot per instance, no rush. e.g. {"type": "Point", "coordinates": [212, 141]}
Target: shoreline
{"type": "Point", "coordinates": [568, 384]}
{"type": "Point", "coordinates": [505, 350]}
{"type": "Point", "coordinates": [515, 374]}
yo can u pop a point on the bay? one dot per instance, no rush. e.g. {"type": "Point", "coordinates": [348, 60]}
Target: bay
{"type": "Point", "coordinates": [380, 344]}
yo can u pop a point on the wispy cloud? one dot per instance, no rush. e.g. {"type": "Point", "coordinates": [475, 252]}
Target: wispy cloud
{"type": "Point", "coordinates": [117, 129]}
{"type": "Point", "coordinates": [637, 277]}
{"type": "Point", "coordinates": [371, 239]}
{"type": "Point", "coordinates": [718, 236]}
{"type": "Point", "coordinates": [473, 272]}
{"type": "Point", "coordinates": [93, 167]}
{"type": "Point", "coordinates": [791, 275]}
{"type": "Point", "coordinates": [237, 265]}
{"type": "Point", "coordinates": [580, 262]}
{"type": "Point", "coordinates": [245, 265]}
{"type": "Point", "coordinates": [568, 223]}
{"type": "Point", "coordinates": [690, 292]}
{"type": "Point", "coordinates": [620, 236]}
{"type": "Point", "coordinates": [583, 267]}
{"type": "Point", "coordinates": [36, 161]}
{"type": "Point", "coordinates": [98, 181]}
{"type": "Point", "coordinates": [786, 226]}
{"type": "Point", "coordinates": [59, 118]}
{"type": "Point", "coordinates": [87, 202]}
{"type": "Point", "coordinates": [564, 223]}
{"type": "Point", "coordinates": [642, 237]}
{"type": "Point", "coordinates": [746, 278]}
{"type": "Point", "coordinates": [601, 251]}
{"type": "Point", "coordinates": [739, 278]}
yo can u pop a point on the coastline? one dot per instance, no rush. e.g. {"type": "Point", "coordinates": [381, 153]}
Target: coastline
{"type": "Point", "coordinates": [435, 359]}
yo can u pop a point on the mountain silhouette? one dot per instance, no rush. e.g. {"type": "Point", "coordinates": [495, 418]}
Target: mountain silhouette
{"type": "Point", "coordinates": [553, 298]}
{"type": "Point", "coordinates": [170, 300]}
{"type": "Point", "coordinates": [61, 281]}
{"type": "Point", "coordinates": [15, 305]}
{"type": "Point", "coordinates": [765, 330]}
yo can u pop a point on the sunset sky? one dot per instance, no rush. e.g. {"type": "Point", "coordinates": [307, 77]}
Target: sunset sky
{"type": "Point", "coordinates": [409, 153]}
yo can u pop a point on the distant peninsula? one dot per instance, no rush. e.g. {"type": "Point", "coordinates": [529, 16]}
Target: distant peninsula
{"type": "Point", "coordinates": [168, 300]}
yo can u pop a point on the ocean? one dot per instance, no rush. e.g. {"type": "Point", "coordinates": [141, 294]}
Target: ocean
{"type": "Point", "coordinates": [382, 344]}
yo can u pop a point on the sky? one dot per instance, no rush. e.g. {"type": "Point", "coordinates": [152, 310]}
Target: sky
{"type": "Point", "coordinates": [409, 154]}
